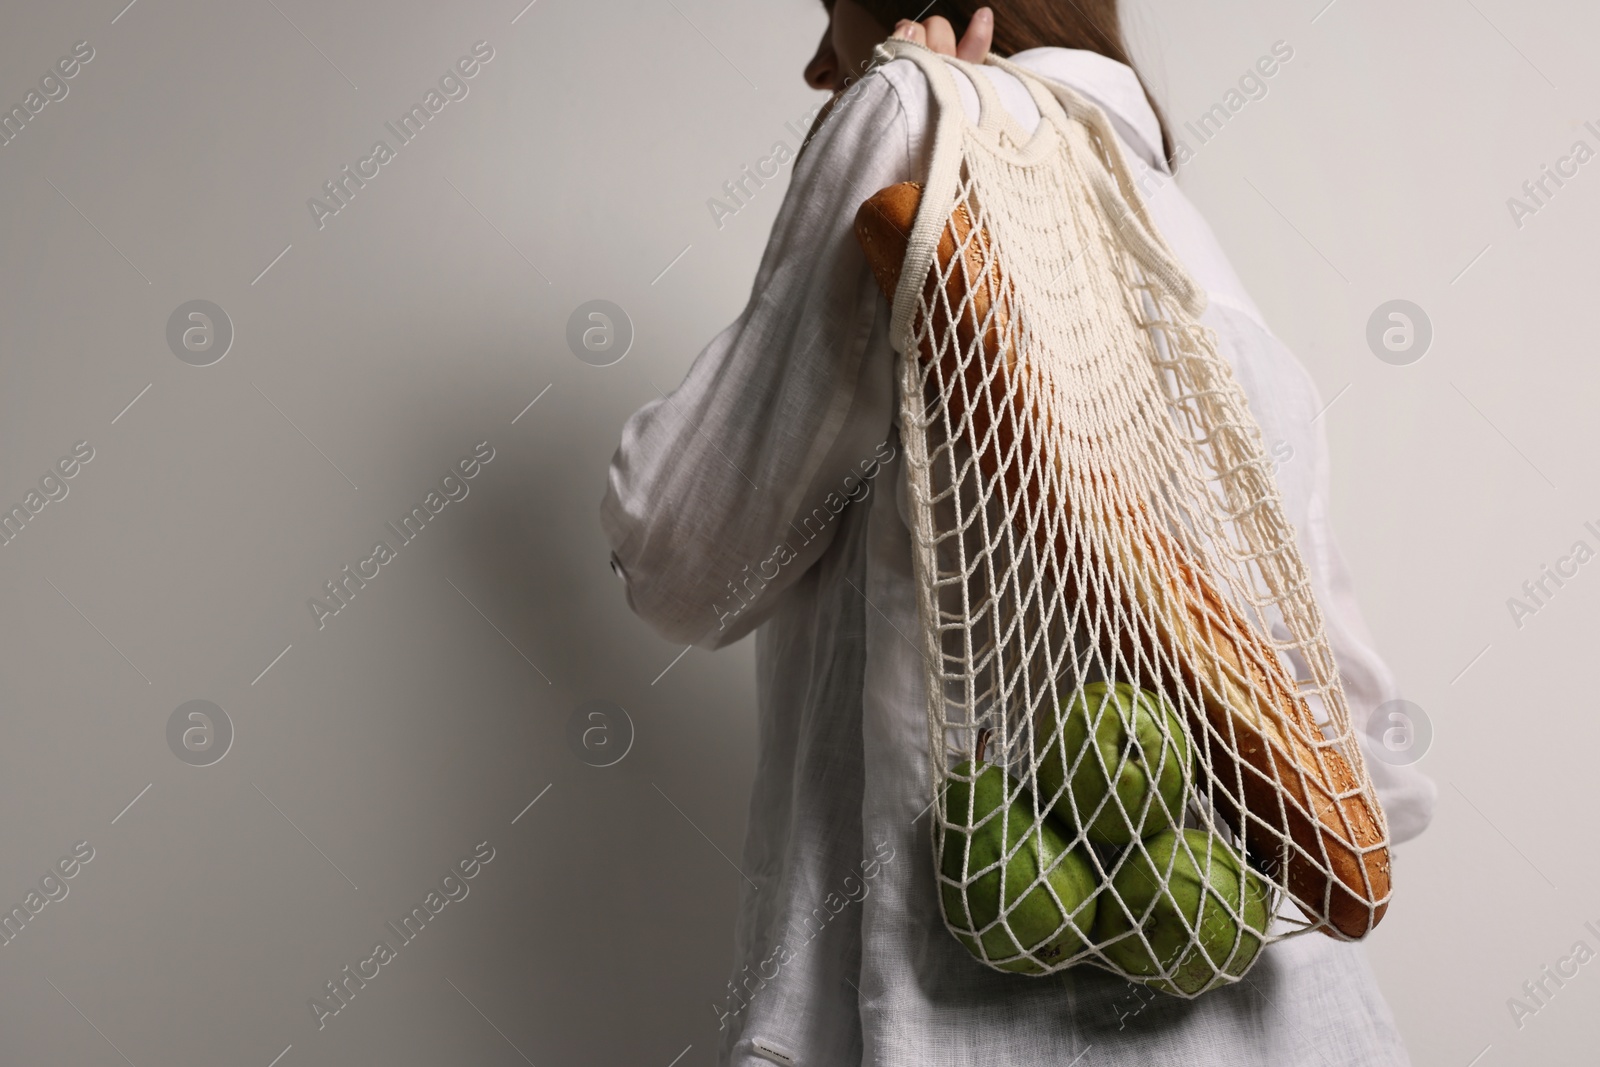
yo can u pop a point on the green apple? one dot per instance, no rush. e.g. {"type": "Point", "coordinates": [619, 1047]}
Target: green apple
{"type": "Point", "coordinates": [1044, 920]}
{"type": "Point", "coordinates": [1190, 913]}
{"type": "Point", "coordinates": [1130, 757]}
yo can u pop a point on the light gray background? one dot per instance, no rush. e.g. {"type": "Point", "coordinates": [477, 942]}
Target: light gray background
{"type": "Point", "coordinates": [427, 314]}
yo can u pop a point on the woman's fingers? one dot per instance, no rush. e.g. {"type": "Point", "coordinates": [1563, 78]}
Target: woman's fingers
{"type": "Point", "coordinates": [937, 35]}
{"type": "Point", "coordinates": [907, 30]}
{"type": "Point", "coordinates": [941, 35]}
{"type": "Point", "coordinates": [979, 36]}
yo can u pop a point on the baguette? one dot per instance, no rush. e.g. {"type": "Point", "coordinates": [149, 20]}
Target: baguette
{"type": "Point", "coordinates": [1269, 739]}
{"type": "Point", "coordinates": [1271, 773]}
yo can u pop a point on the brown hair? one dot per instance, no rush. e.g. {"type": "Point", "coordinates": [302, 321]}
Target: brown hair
{"type": "Point", "coordinates": [1094, 25]}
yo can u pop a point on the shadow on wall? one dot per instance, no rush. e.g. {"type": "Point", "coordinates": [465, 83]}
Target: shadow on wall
{"type": "Point", "coordinates": [656, 834]}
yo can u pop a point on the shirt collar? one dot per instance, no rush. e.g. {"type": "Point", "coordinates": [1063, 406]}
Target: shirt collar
{"type": "Point", "coordinates": [1112, 85]}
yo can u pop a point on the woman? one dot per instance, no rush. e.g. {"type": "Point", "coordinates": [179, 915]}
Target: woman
{"type": "Point", "coordinates": [764, 495]}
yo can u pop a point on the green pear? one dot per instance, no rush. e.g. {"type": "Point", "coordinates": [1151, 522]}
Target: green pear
{"type": "Point", "coordinates": [1046, 920]}
{"type": "Point", "coordinates": [1123, 735]}
{"type": "Point", "coordinates": [1197, 913]}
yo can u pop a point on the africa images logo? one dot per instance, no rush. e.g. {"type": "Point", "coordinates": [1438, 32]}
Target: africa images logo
{"type": "Point", "coordinates": [339, 992]}
{"type": "Point", "coordinates": [1538, 591]}
{"type": "Point", "coordinates": [342, 590]}
{"type": "Point", "coordinates": [855, 890]}
{"type": "Point", "coordinates": [53, 88]}
{"type": "Point", "coordinates": [857, 484]}
{"type": "Point", "coordinates": [342, 189]}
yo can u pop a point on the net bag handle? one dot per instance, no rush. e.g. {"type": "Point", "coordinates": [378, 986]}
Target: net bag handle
{"type": "Point", "coordinates": [1111, 183]}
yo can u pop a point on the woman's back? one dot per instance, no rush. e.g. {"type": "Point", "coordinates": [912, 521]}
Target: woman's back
{"type": "Point", "coordinates": [748, 498]}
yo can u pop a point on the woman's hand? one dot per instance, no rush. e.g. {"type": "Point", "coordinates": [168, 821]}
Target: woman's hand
{"type": "Point", "coordinates": [851, 31]}
{"type": "Point", "coordinates": [938, 35]}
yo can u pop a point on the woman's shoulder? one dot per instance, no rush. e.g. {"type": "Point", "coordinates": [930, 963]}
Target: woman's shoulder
{"type": "Point", "coordinates": [1111, 85]}
{"type": "Point", "coordinates": [870, 109]}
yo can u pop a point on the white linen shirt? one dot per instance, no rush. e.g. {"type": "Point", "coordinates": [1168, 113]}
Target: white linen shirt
{"type": "Point", "coordinates": [766, 492]}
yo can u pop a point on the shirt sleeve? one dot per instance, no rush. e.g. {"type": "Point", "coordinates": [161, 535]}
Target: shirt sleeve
{"type": "Point", "coordinates": [1407, 795]}
{"type": "Point", "coordinates": [725, 491]}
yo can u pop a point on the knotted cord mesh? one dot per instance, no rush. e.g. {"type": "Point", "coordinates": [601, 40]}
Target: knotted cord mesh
{"type": "Point", "coordinates": [1142, 753]}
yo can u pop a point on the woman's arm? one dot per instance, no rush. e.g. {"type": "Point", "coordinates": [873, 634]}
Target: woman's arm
{"type": "Point", "coordinates": [725, 491]}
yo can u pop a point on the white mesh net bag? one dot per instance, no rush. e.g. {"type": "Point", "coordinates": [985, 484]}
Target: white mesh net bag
{"type": "Point", "coordinates": [1141, 751]}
